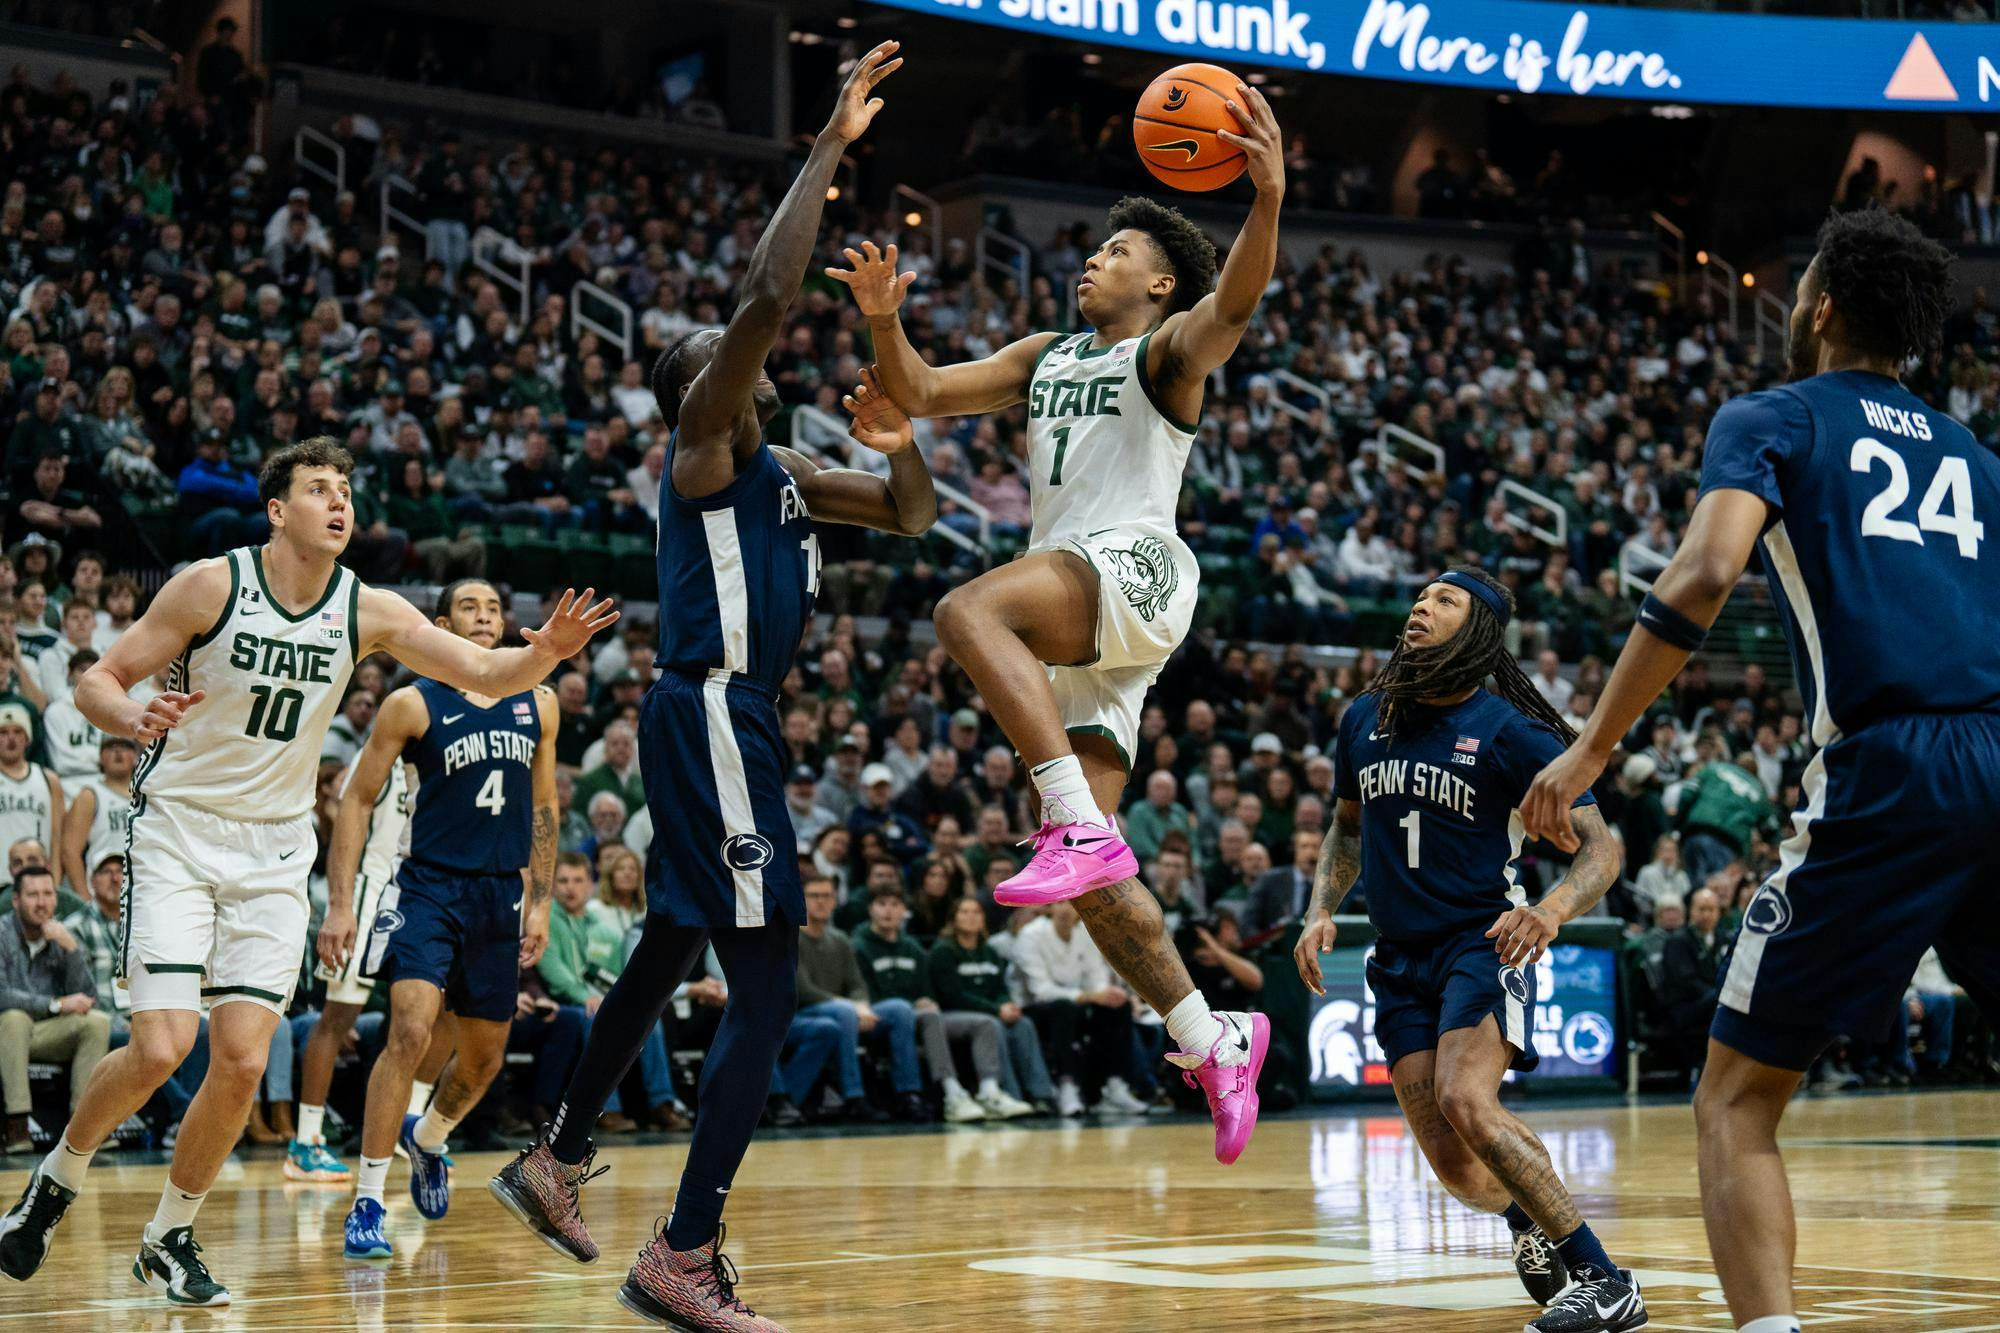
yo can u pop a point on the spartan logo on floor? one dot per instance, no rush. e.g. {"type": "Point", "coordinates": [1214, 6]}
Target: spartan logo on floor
{"type": "Point", "coordinates": [1146, 575]}
{"type": "Point", "coordinates": [747, 852]}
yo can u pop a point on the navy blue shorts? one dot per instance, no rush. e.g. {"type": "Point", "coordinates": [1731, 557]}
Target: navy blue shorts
{"type": "Point", "coordinates": [1423, 991]}
{"type": "Point", "coordinates": [1893, 851]}
{"type": "Point", "coordinates": [461, 933]}
{"type": "Point", "coordinates": [724, 853]}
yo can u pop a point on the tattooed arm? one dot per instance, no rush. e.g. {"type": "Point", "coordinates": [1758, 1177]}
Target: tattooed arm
{"type": "Point", "coordinates": [539, 879]}
{"type": "Point", "coordinates": [1523, 934]}
{"type": "Point", "coordinates": [1339, 867]}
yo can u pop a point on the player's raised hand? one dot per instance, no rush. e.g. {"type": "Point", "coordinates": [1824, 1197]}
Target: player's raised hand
{"type": "Point", "coordinates": [855, 108]}
{"type": "Point", "coordinates": [1314, 940]}
{"type": "Point", "coordinates": [1545, 809]}
{"type": "Point", "coordinates": [336, 937]}
{"type": "Point", "coordinates": [878, 289]}
{"type": "Point", "coordinates": [164, 711]}
{"type": "Point", "coordinates": [1522, 935]}
{"type": "Point", "coordinates": [1262, 142]}
{"type": "Point", "coordinates": [572, 624]}
{"type": "Point", "coordinates": [878, 422]}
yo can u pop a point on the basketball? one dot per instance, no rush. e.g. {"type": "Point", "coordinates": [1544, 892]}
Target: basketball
{"type": "Point", "coordinates": [1175, 123]}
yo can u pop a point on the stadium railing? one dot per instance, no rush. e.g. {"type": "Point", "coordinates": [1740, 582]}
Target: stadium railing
{"type": "Point", "coordinates": [394, 187]}
{"type": "Point", "coordinates": [619, 335]}
{"type": "Point", "coordinates": [329, 149]}
{"type": "Point", "coordinates": [816, 433]}
{"type": "Point", "coordinates": [502, 259]}
{"type": "Point", "coordinates": [1555, 532]}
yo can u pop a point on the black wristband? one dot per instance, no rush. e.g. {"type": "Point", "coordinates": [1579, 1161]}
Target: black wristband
{"type": "Point", "coordinates": [1666, 623]}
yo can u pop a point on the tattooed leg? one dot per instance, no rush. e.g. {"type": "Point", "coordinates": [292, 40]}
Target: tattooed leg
{"type": "Point", "coordinates": [1457, 1168]}
{"type": "Point", "coordinates": [1470, 1063]}
{"type": "Point", "coordinates": [1124, 921]}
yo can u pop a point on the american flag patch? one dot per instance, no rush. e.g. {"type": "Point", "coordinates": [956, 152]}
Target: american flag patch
{"type": "Point", "coordinates": [332, 619]}
{"type": "Point", "coordinates": [523, 708]}
{"type": "Point", "coordinates": [1467, 745]}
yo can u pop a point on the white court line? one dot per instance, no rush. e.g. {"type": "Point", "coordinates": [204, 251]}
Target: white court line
{"type": "Point", "coordinates": [1098, 1244]}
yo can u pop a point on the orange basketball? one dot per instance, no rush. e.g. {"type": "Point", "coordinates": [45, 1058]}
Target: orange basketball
{"type": "Point", "coordinates": [1175, 124]}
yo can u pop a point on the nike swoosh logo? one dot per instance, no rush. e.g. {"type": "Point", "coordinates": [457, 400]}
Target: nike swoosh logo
{"type": "Point", "coordinates": [1185, 146]}
{"type": "Point", "coordinates": [1374, 736]}
{"type": "Point", "coordinates": [722, 1189]}
{"type": "Point", "coordinates": [1608, 1311]}
{"type": "Point", "coordinates": [1083, 844]}
{"type": "Point", "coordinates": [249, 610]}
{"type": "Point", "coordinates": [1242, 1041]}
{"type": "Point", "coordinates": [286, 856]}
{"type": "Point", "coordinates": [450, 718]}
{"type": "Point", "coordinates": [517, 903]}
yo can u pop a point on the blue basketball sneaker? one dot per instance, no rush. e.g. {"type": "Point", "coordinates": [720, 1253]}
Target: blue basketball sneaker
{"type": "Point", "coordinates": [314, 1162]}
{"type": "Point", "coordinates": [364, 1232]}
{"type": "Point", "coordinates": [430, 1175]}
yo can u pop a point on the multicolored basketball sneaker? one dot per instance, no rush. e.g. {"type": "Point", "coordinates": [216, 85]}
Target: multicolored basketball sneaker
{"type": "Point", "coordinates": [546, 1196]}
{"type": "Point", "coordinates": [1069, 861]}
{"type": "Point", "coordinates": [693, 1291]}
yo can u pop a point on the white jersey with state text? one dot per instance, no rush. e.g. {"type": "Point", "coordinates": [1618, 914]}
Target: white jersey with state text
{"type": "Point", "coordinates": [26, 811]}
{"type": "Point", "coordinates": [109, 819]}
{"type": "Point", "coordinates": [273, 681]}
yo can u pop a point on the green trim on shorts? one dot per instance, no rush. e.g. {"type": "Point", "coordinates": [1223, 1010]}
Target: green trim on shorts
{"type": "Point", "coordinates": [1094, 729]}
{"type": "Point", "coordinates": [196, 968]}
{"type": "Point", "coordinates": [252, 991]}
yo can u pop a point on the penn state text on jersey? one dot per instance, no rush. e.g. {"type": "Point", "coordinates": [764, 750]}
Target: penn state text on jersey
{"type": "Point", "coordinates": [1441, 830]}
{"type": "Point", "coordinates": [475, 782]}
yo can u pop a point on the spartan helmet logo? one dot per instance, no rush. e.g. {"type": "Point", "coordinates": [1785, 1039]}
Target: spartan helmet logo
{"type": "Point", "coordinates": [1176, 98]}
{"type": "Point", "coordinates": [1146, 574]}
{"type": "Point", "coordinates": [1335, 1043]}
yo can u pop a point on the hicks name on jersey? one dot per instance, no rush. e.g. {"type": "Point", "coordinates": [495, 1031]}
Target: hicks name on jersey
{"type": "Point", "coordinates": [1070, 398]}
{"type": "Point", "coordinates": [1896, 420]}
{"type": "Point", "coordinates": [283, 660]}
{"type": "Point", "coordinates": [476, 747]}
{"type": "Point", "coordinates": [1420, 781]}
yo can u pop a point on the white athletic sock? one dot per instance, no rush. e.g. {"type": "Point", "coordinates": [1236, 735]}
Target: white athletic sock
{"type": "Point", "coordinates": [1776, 1323]}
{"type": "Point", "coordinates": [989, 1088]}
{"type": "Point", "coordinates": [434, 1129]}
{"type": "Point", "coordinates": [312, 1124]}
{"type": "Point", "coordinates": [65, 1165]}
{"type": "Point", "coordinates": [420, 1096]}
{"type": "Point", "coordinates": [1194, 1029]}
{"type": "Point", "coordinates": [373, 1177]}
{"type": "Point", "coordinates": [177, 1209]}
{"type": "Point", "coordinates": [951, 1087]}
{"type": "Point", "coordinates": [1066, 797]}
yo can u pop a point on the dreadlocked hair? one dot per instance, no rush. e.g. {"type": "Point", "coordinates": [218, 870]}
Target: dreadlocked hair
{"type": "Point", "coordinates": [1461, 663]}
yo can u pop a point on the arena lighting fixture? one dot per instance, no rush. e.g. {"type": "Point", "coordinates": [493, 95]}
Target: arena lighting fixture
{"type": "Point", "coordinates": [1701, 258]}
{"type": "Point", "coordinates": [1258, 78]}
{"type": "Point", "coordinates": [832, 193]}
{"type": "Point", "coordinates": [913, 219]}
{"type": "Point", "coordinates": [1671, 111]}
{"type": "Point", "coordinates": [1749, 279]}
{"type": "Point", "coordinates": [1092, 58]}
{"type": "Point", "coordinates": [847, 21]}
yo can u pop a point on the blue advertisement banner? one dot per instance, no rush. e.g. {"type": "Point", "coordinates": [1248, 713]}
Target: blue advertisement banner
{"type": "Point", "coordinates": [1529, 46]}
{"type": "Point", "coordinates": [1575, 1026]}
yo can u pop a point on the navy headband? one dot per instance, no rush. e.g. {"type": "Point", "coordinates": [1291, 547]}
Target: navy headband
{"type": "Point", "coordinates": [1493, 600]}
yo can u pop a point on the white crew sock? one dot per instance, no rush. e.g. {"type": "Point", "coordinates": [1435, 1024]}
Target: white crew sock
{"type": "Point", "coordinates": [312, 1124]}
{"type": "Point", "coordinates": [434, 1129]}
{"type": "Point", "coordinates": [177, 1209]}
{"type": "Point", "coordinates": [1776, 1323]}
{"type": "Point", "coordinates": [989, 1088]}
{"type": "Point", "coordinates": [420, 1096]}
{"type": "Point", "coordinates": [372, 1178]}
{"type": "Point", "coordinates": [65, 1165]}
{"type": "Point", "coordinates": [1194, 1029]}
{"type": "Point", "coordinates": [951, 1087]}
{"type": "Point", "coordinates": [1066, 797]}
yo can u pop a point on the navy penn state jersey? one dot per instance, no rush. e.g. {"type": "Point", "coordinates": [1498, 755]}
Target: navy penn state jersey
{"type": "Point", "coordinates": [475, 782]}
{"type": "Point", "coordinates": [1875, 544]}
{"type": "Point", "coordinates": [738, 574]}
{"type": "Point", "coordinates": [1441, 828]}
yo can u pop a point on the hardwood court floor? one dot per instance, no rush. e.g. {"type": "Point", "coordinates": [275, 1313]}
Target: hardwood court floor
{"type": "Point", "coordinates": [1328, 1223]}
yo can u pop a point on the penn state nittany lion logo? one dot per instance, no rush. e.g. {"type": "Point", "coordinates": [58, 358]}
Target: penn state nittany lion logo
{"type": "Point", "coordinates": [747, 851]}
{"type": "Point", "coordinates": [1146, 574]}
{"type": "Point", "coordinates": [1515, 982]}
{"type": "Point", "coordinates": [1586, 1038]}
{"type": "Point", "coordinates": [1769, 912]}
{"type": "Point", "coordinates": [387, 922]}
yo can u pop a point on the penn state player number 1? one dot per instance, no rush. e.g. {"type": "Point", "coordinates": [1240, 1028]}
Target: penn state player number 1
{"type": "Point", "coordinates": [811, 547]}
{"type": "Point", "coordinates": [1952, 482]}
{"type": "Point", "coordinates": [1414, 823]}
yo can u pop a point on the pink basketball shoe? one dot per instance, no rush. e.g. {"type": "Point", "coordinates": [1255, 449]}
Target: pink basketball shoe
{"type": "Point", "coordinates": [1070, 860]}
{"type": "Point", "coordinates": [1231, 1087]}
